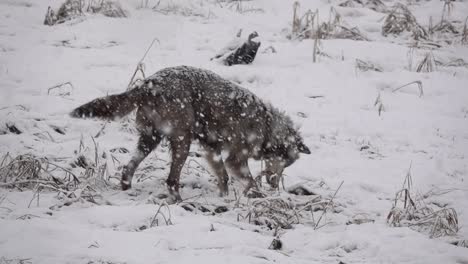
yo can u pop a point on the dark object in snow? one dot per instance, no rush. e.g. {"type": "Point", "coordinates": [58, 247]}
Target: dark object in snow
{"type": "Point", "coordinates": [187, 207]}
{"type": "Point", "coordinates": [238, 51]}
{"type": "Point", "coordinates": [300, 190]}
{"type": "Point", "coordinates": [460, 243]}
{"type": "Point", "coordinates": [82, 162]}
{"type": "Point", "coordinates": [301, 114]}
{"type": "Point", "coordinates": [50, 17]}
{"type": "Point", "coordinates": [246, 53]}
{"type": "Point", "coordinates": [192, 206]}
{"type": "Point", "coordinates": [364, 148]}
{"type": "Point", "coordinates": [201, 105]}
{"type": "Point", "coordinates": [276, 244]}
{"type": "Point", "coordinates": [58, 129]}
{"type": "Point", "coordinates": [120, 150]}
{"type": "Point", "coordinates": [202, 208]}
{"type": "Point", "coordinates": [13, 129]}
{"type": "Point", "coordinates": [221, 209]}
{"type": "Point", "coordinates": [315, 96]}
{"type": "Point", "coordinates": [400, 20]}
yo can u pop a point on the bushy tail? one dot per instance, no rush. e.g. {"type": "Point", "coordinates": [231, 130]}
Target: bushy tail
{"type": "Point", "coordinates": [110, 107]}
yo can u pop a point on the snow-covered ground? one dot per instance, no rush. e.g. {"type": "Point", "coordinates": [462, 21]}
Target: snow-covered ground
{"type": "Point", "coordinates": [331, 100]}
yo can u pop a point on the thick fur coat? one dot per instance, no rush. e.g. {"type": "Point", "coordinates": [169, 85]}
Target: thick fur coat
{"type": "Point", "coordinates": [184, 104]}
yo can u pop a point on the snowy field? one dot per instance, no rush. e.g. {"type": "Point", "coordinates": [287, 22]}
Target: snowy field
{"type": "Point", "coordinates": [364, 133]}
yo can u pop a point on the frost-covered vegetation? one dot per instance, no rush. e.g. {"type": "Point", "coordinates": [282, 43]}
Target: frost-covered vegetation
{"type": "Point", "coordinates": [378, 89]}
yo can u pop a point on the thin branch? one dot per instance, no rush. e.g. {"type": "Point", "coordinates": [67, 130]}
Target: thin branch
{"type": "Point", "coordinates": [326, 207]}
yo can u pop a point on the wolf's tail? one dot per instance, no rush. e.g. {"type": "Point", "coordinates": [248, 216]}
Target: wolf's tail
{"type": "Point", "coordinates": [110, 107]}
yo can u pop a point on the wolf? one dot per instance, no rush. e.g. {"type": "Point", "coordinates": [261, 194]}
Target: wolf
{"type": "Point", "coordinates": [185, 104]}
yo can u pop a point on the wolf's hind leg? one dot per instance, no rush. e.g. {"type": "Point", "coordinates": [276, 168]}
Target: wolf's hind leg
{"type": "Point", "coordinates": [215, 161]}
{"type": "Point", "coordinates": [180, 147]}
{"type": "Point", "coordinates": [146, 144]}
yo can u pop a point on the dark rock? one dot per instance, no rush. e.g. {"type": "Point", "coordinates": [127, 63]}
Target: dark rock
{"type": "Point", "coordinates": [221, 209]}
{"type": "Point", "coordinates": [276, 244]}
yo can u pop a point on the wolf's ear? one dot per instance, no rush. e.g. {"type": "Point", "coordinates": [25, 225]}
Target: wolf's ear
{"type": "Point", "coordinates": [303, 148]}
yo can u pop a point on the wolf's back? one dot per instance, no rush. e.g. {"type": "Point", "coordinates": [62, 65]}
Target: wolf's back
{"type": "Point", "coordinates": [112, 106]}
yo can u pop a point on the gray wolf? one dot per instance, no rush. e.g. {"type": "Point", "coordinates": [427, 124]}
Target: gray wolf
{"type": "Point", "coordinates": [185, 104]}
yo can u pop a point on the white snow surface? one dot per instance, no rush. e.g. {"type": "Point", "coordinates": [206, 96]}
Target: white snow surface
{"type": "Point", "coordinates": [98, 55]}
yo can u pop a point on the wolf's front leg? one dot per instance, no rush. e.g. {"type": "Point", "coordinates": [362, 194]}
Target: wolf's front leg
{"type": "Point", "coordinates": [180, 147]}
{"type": "Point", "coordinates": [240, 168]}
{"type": "Point", "coordinates": [146, 144]}
{"type": "Point", "coordinates": [215, 161]}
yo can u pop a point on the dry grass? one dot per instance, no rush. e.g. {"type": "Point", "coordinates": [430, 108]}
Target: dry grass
{"type": "Point", "coordinates": [329, 204]}
{"type": "Point", "coordinates": [410, 58]}
{"type": "Point", "coordinates": [444, 27]}
{"type": "Point", "coordinates": [164, 213]}
{"type": "Point", "coordinates": [95, 164]}
{"type": "Point", "coordinates": [108, 8]}
{"type": "Point", "coordinates": [140, 68]}
{"type": "Point", "coordinates": [274, 213]}
{"type": "Point", "coordinates": [420, 87]}
{"type": "Point", "coordinates": [305, 26]}
{"type": "Point", "coordinates": [283, 212]}
{"type": "Point", "coordinates": [72, 9]}
{"type": "Point", "coordinates": [4, 260]}
{"type": "Point", "coordinates": [379, 104]}
{"type": "Point", "coordinates": [63, 89]}
{"type": "Point", "coordinates": [427, 64]}
{"type": "Point", "coordinates": [447, 10]}
{"type": "Point", "coordinates": [240, 7]}
{"type": "Point", "coordinates": [464, 38]}
{"type": "Point", "coordinates": [188, 8]}
{"type": "Point", "coordinates": [399, 20]}
{"type": "Point", "coordinates": [453, 63]}
{"type": "Point", "coordinates": [296, 24]}
{"type": "Point", "coordinates": [81, 180]}
{"type": "Point", "coordinates": [443, 32]}
{"type": "Point", "coordinates": [376, 5]}
{"type": "Point", "coordinates": [308, 26]}
{"type": "Point", "coordinates": [411, 211]}
{"type": "Point", "coordinates": [29, 171]}
{"type": "Point", "coordinates": [367, 66]}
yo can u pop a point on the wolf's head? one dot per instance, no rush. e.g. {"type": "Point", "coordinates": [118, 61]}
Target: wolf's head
{"type": "Point", "coordinates": [290, 147]}
{"type": "Point", "coordinates": [284, 150]}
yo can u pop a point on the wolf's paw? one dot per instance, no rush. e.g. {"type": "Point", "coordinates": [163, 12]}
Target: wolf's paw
{"type": "Point", "coordinates": [173, 198]}
{"type": "Point", "coordinates": [223, 193]}
{"type": "Point", "coordinates": [125, 185]}
{"type": "Point", "coordinates": [223, 190]}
